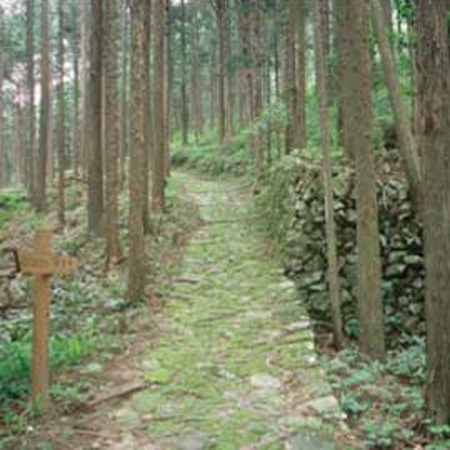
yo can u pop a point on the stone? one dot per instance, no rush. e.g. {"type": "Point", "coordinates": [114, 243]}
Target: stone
{"type": "Point", "coordinates": [127, 417]}
{"type": "Point", "coordinates": [268, 398]}
{"type": "Point", "coordinates": [126, 443]}
{"type": "Point", "coordinates": [297, 422]}
{"type": "Point", "coordinates": [265, 381]}
{"type": "Point", "coordinates": [287, 285]}
{"type": "Point", "coordinates": [325, 406]}
{"type": "Point", "coordinates": [310, 441]}
{"type": "Point", "coordinates": [192, 441]}
{"type": "Point", "coordinates": [297, 326]}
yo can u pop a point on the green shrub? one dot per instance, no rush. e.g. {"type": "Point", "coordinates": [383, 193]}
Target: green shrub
{"type": "Point", "coordinates": [15, 358]}
{"type": "Point", "coordinates": [11, 201]}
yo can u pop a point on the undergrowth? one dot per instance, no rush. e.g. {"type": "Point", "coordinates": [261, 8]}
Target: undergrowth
{"type": "Point", "coordinates": [205, 155]}
{"type": "Point", "coordinates": [384, 402]}
{"type": "Point", "coordinates": [91, 319]}
{"type": "Point", "coordinates": [11, 201]}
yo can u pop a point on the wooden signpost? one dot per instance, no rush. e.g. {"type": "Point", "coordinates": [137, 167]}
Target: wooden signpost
{"type": "Point", "coordinates": [42, 264]}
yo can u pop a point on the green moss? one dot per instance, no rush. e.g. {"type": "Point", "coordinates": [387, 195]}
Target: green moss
{"type": "Point", "coordinates": [216, 334]}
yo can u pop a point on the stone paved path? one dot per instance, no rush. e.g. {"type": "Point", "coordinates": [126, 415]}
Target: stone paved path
{"type": "Point", "coordinates": [234, 367]}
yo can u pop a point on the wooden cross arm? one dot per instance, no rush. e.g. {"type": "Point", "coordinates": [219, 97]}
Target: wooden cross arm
{"type": "Point", "coordinates": [45, 265]}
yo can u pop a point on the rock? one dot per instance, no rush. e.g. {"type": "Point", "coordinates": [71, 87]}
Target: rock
{"type": "Point", "coordinates": [127, 417]}
{"type": "Point", "coordinates": [287, 285]}
{"type": "Point", "coordinates": [310, 441]}
{"type": "Point", "coordinates": [126, 443]}
{"type": "Point", "coordinates": [325, 406]}
{"type": "Point", "coordinates": [265, 381]}
{"type": "Point", "coordinates": [303, 325]}
{"type": "Point", "coordinates": [400, 238]}
{"type": "Point", "coordinates": [193, 441]}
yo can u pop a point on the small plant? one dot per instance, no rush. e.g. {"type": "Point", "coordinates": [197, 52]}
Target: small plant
{"type": "Point", "coordinates": [11, 201]}
{"type": "Point", "coordinates": [380, 435]}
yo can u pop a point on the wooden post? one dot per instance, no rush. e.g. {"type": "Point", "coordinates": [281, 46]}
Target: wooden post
{"type": "Point", "coordinates": [41, 319]}
{"type": "Point", "coordinates": [42, 264]}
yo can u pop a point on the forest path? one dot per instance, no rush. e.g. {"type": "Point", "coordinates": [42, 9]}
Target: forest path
{"type": "Point", "coordinates": [234, 365]}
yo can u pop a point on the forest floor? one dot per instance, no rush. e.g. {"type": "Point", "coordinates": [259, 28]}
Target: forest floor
{"type": "Point", "coordinates": [231, 364]}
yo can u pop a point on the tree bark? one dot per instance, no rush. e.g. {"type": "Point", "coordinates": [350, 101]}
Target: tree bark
{"type": "Point", "coordinates": [31, 157]}
{"type": "Point", "coordinates": [137, 259]}
{"type": "Point", "coordinates": [300, 136]}
{"type": "Point", "coordinates": [196, 82]}
{"type": "Point", "coordinates": [94, 125]}
{"type": "Point", "coordinates": [229, 107]}
{"type": "Point", "coordinates": [61, 119]}
{"type": "Point", "coordinates": [325, 23]}
{"type": "Point", "coordinates": [220, 13]}
{"type": "Point", "coordinates": [343, 85]}
{"type": "Point", "coordinates": [158, 181]}
{"type": "Point", "coordinates": [333, 277]}
{"type": "Point", "coordinates": [290, 90]}
{"type": "Point", "coordinates": [168, 91]}
{"type": "Point", "coordinates": [386, 7]}
{"type": "Point", "coordinates": [408, 146]}
{"type": "Point", "coordinates": [212, 87]}
{"type": "Point", "coordinates": [124, 100]}
{"type": "Point", "coordinates": [360, 142]}
{"type": "Point", "coordinates": [184, 99]}
{"type": "Point", "coordinates": [44, 135]}
{"type": "Point", "coordinates": [112, 133]}
{"type": "Point", "coordinates": [76, 96]}
{"type": "Point", "coordinates": [84, 88]}
{"type": "Point", "coordinates": [147, 121]}
{"type": "Point", "coordinates": [433, 94]}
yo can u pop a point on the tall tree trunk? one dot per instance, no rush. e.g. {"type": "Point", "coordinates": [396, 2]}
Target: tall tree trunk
{"type": "Point", "coordinates": [84, 44]}
{"type": "Point", "coordinates": [242, 80]}
{"type": "Point", "coordinates": [257, 101]}
{"type": "Point", "coordinates": [2, 101]}
{"type": "Point", "coordinates": [44, 134]}
{"type": "Point", "coordinates": [61, 118]}
{"type": "Point", "coordinates": [386, 7]}
{"type": "Point", "coordinates": [433, 94]}
{"type": "Point", "coordinates": [196, 82]}
{"type": "Point", "coordinates": [137, 259]}
{"type": "Point", "coordinates": [325, 15]}
{"type": "Point", "coordinates": [112, 132]}
{"type": "Point", "coordinates": [147, 120]}
{"type": "Point", "coordinates": [360, 141]}
{"type": "Point", "coordinates": [76, 97]}
{"type": "Point", "coordinates": [94, 125]}
{"type": "Point", "coordinates": [333, 277]}
{"type": "Point", "coordinates": [229, 107]}
{"type": "Point", "coordinates": [276, 68]}
{"type": "Point", "coordinates": [124, 100]}
{"type": "Point", "coordinates": [344, 87]}
{"type": "Point", "coordinates": [168, 91]}
{"type": "Point", "coordinates": [300, 120]}
{"type": "Point", "coordinates": [18, 146]}
{"type": "Point", "coordinates": [220, 13]}
{"type": "Point", "coordinates": [158, 181]}
{"type": "Point", "coordinates": [212, 87]}
{"type": "Point", "coordinates": [184, 100]}
{"type": "Point", "coordinates": [408, 147]}
{"type": "Point", "coordinates": [50, 170]}
{"type": "Point", "coordinates": [31, 157]}
{"type": "Point", "coordinates": [290, 91]}
{"type": "Point", "coordinates": [3, 157]}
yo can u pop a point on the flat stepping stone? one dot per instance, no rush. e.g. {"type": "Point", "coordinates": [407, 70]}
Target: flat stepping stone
{"type": "Point", "coordinates": [310, 441]}
{"type": "Point", "coordinates": [192, 441]}
{"type": "Point", "coordinates": [325, 406]}
{"type": "Point", "coordinates": [264, 381]}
